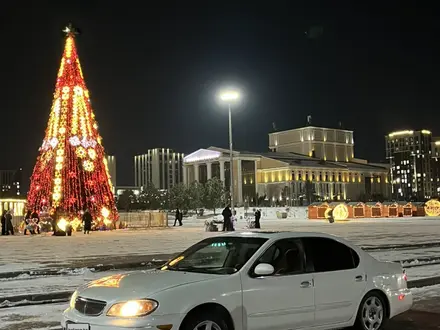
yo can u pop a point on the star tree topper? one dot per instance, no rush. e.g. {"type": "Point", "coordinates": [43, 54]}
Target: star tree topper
{"type": "Point", "coordinates": [71, 31]}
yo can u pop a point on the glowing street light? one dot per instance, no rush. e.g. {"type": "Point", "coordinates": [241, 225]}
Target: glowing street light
{"type": "Point", "coordinates": [230, 96]}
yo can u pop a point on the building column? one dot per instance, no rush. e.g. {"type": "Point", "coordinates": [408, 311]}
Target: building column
{"type": "Point", "coordinates": [196, 172]}
{"type": "Point", "coordinates": [222, 171]}
{"type": "Point", "coordinates": [239, 179]}
{"type": "Point", "coordinates": [209, 170]}
{"type": "Point", "coordinates": [255, 175]}
{"type": "Point", "coordinates": [185, 175]}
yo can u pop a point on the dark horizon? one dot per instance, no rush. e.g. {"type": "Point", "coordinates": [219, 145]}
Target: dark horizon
{"type": "Point", "coordinates": [153, 75]}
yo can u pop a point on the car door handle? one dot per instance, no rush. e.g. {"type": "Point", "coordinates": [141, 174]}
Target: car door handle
{"type": "Point", "coordinates": [359, 278]}
{"type": "Point", "coordinates": [306, 284]}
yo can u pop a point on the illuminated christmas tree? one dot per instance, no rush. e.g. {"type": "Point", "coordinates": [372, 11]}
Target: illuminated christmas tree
{"type": "Point", "coordinates": [71, 173]}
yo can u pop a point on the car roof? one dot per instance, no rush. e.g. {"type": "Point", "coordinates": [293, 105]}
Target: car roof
{"type": "Point", "coordinates": [276, 235]}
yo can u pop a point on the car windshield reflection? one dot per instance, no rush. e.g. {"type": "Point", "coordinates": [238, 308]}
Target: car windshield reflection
{"type": "Point", "coordinates": [219, 255]}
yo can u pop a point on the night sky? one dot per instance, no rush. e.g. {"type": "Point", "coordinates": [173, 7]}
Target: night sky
{"type": "Point", "coordinates": [153, 72]}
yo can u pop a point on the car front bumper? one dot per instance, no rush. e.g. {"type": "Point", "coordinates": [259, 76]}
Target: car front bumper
{"type": "Point", "coordinates": [400, 301]}
{"type": "Point", "coordinates": [104, 322]}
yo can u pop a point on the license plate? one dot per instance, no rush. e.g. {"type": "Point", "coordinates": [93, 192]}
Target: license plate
{"type": "Point", "coordinates": [78, 326]}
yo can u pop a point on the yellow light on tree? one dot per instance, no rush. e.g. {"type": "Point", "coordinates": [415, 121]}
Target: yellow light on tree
{"type": "Point", "coordinates": [105, 212]}
{"type": "Point", "coordinates": [62, 224]}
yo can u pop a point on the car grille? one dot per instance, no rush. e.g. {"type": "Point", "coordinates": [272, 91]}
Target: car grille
{"type": "Point", "coordinates": [89, 307]}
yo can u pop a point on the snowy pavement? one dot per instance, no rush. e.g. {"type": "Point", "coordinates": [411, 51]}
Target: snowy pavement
{"type": "Point", "coordinates": [48, 316]}
{"type": "Point", "coordinates": [82, 252]}
{"type": "Point", "coordinates": [24, 253]}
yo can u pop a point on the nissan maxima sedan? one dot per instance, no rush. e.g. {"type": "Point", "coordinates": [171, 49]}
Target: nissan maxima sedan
{"type": "Point", "coordinates": [249, 281]}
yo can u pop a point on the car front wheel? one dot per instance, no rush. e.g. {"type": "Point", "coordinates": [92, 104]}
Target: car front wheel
{"type": "Point", "coordinates": [372, 314]}
{"type": "Point", "coordinates": [207, 321]}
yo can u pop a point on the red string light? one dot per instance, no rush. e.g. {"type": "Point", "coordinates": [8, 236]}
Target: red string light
{"type": "Point", "coordinates": [71, 171]}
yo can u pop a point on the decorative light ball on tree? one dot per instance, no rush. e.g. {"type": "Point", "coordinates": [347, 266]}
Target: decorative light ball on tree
{"type": "Point", "coordinates": [71, 172]}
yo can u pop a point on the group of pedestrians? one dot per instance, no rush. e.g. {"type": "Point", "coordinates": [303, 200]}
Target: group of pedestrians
{"type": "Point", "coordinates": [6, 221]}
{"type": "Point", "coordinates": [32, 222]}
{"type": "Point", "coordinates": [229, 219]}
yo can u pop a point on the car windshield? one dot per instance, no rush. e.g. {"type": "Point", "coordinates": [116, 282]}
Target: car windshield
{"type": "Point", "coordinates": [218, 255]}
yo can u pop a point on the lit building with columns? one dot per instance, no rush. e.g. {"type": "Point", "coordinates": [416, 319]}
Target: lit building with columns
{"type": "Point", "coordinates": [205, 164]}
{"type": "Point", "coordinates": [17, 206]}
{"type": "Point", "coordinates": [287, 175]}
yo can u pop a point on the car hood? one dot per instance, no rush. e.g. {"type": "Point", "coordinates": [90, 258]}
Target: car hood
{"type": "Point", "coordinates": [136, 285]}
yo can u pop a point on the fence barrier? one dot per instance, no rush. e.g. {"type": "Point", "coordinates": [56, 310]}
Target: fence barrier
{"type": "Point", "coordinates": [142, 220]}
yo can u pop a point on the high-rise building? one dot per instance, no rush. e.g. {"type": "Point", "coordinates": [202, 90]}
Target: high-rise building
{"type": "Point", "coordinates": [111, 164]}
{"type": "Point", "coordinates": [10, 182]}
{"type": "Point", "coordinates": [160, 166]}
{"type": "Point", "coordinates": [435, 165]}
{"type": "Point", "coordinates": [410, 154]}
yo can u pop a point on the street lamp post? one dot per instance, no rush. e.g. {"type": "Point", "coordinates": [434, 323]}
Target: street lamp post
{"type": "Point", "coordinates": [229, 97]}
{"type": "Point", "coordinates": [231, 158]}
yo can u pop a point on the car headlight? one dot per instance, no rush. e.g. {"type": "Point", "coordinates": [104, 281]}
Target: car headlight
{"type": "Point", "coordinates": [133, 308]}
{"type": "Point", "coordinates": [73, 299]}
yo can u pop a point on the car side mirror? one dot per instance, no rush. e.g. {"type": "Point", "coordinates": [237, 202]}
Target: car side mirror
{"type": "Point", "coordinates": [264, 270]}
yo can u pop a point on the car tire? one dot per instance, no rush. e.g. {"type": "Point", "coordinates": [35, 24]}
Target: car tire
{"type": "Point", "coordinates": [373, 309]}
{"type": "Point", "coordinates": [201, 321]}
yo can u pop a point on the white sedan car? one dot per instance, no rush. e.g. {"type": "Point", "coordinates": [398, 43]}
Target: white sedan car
{"type": "Point", "coordinates": [249, 281]}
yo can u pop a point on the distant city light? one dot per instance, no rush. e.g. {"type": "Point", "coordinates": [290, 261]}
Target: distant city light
{"type": "Point", "coordinates": [407, 132]}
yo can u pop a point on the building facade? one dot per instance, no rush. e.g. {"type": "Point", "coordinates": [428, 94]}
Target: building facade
{"type": "Point", "coordinates": [11, 182]}
{"type": "Point", "coordinates": [121, 189]}
{"type": "Point", "coordinates": [435, 165]}
{"type": "Point", "coordinates": [286, 176]}
{"type": "Point", "coordinates": [414, 165]}
{"type": "Point", "coordinates": [161, 167]}
{"type": "Point", "coordinates": [318, 142]}
{"type": "Point", "coordinates": [205, 164]}
{"type": "Point", "coordinates": [111, 165]}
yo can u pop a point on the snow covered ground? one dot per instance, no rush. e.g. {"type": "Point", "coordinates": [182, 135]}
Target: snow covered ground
{"type": "Point", "coordinates": [21, 253]}
{"type": "Point", "coordinates": [32, 317]}
{"type": "Point", "coordinates": [48, 316]}
{"type": "Point", "coordinates": [26, 252]}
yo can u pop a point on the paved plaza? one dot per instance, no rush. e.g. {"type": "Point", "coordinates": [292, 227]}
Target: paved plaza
{"type": "Point", "coordinates": [41, 251]}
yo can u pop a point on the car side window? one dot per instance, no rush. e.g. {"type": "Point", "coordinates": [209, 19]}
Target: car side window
{"type": "Point", "coordinates": [286, 256]}
{"type": "Point", "coordinates": [328, 255]}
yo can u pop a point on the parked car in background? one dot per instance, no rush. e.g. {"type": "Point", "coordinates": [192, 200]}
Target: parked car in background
{"type": "Point", "coordinates": [249, 281]}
